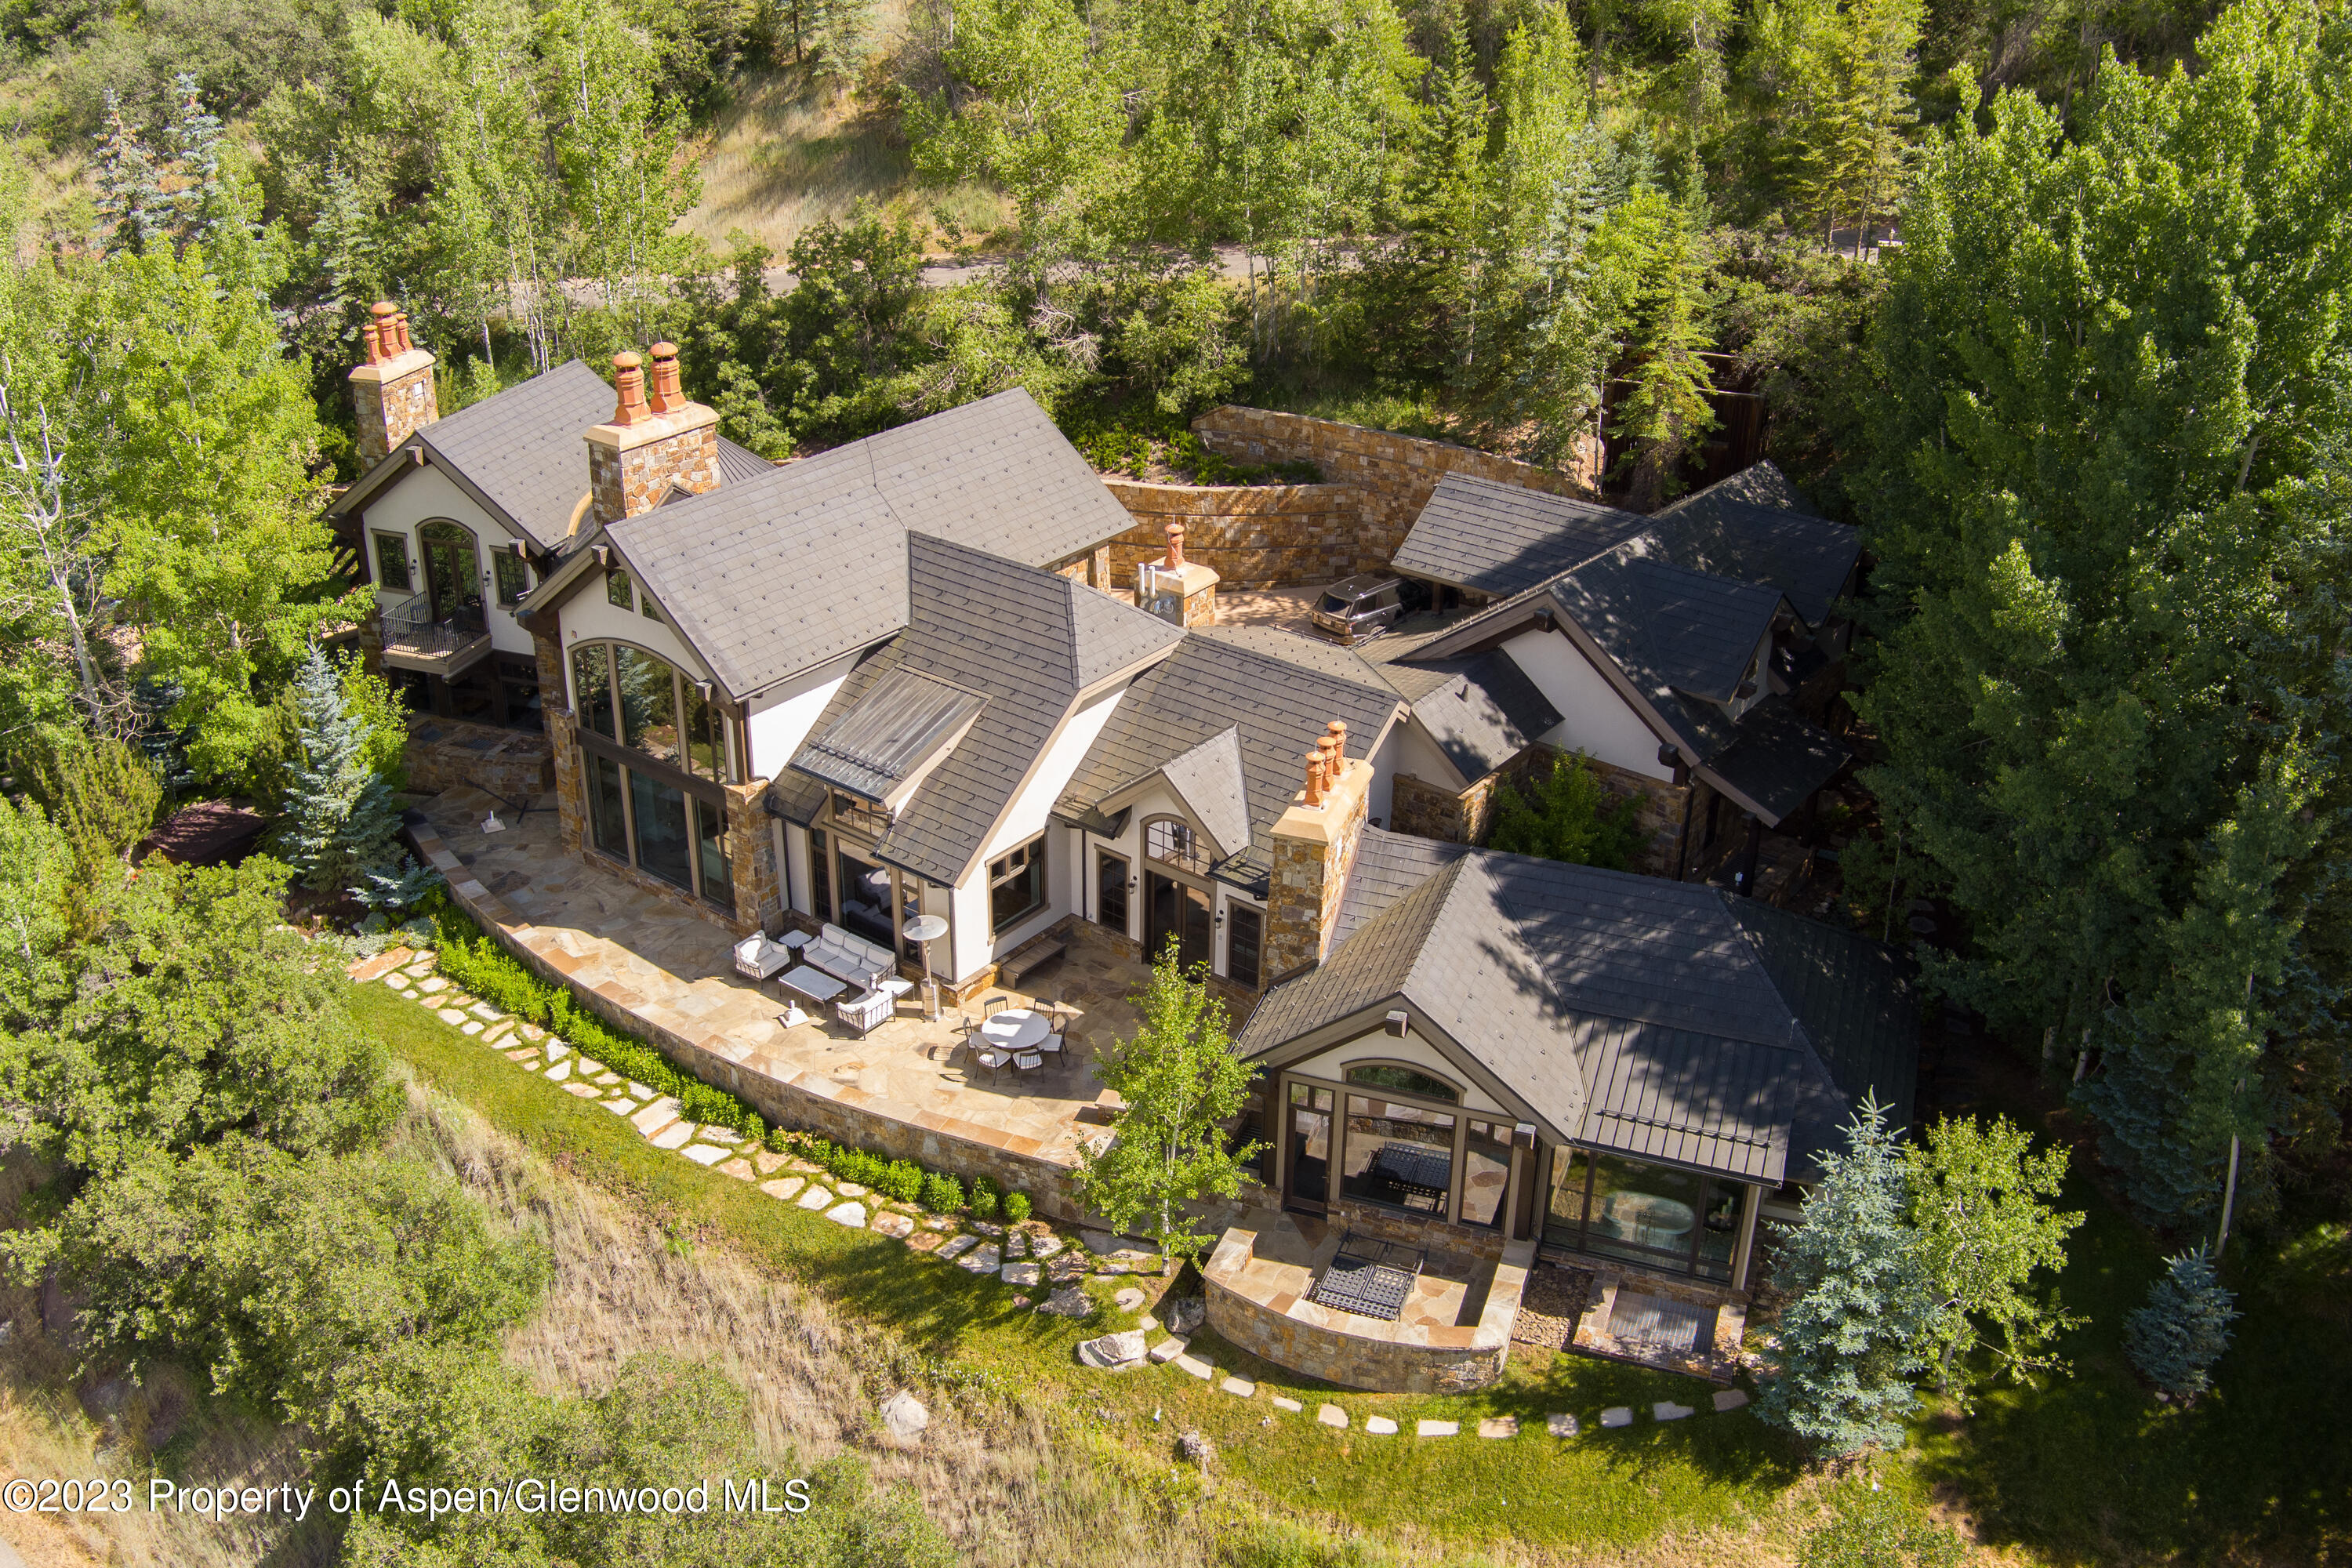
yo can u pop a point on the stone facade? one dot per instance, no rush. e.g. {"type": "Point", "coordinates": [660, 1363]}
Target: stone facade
{"type": "Point", "coordinates": [1314, 849]}
{"type": "Point", "coordinates": [1395, 474]}
{"type": "Point", "coordinates": [630, 467]}
{"type": "Point", "coordinates": [1183, 596]}
{"type": "Point", "coordinates": [1364, 1352]}
{"type": "Point", "coordinates": [451, 753]}
{"type": "Point", "coordinates": [392, 401]}
{"type": "Point", "coordinates": [1255, 536]}
{"type": "Point", "coordinates": [1430, 811]}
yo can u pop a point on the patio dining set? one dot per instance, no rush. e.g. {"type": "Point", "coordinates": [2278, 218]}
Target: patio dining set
{"type": "Point", "coordinates": [859, 980]}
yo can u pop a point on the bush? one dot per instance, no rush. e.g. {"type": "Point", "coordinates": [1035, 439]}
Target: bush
{"type": "Point", "coordinates": [902, 1181]}
{"type": "Point", "coordinates": [473, 961]}
{"type": "Point", "coordinates": [942, 1194]}
{"type": "Point", "coordinates": [1565, 814]}
{"type": "Point", "coordinates": [983, 1200]}
{"type": "Point", "coordinates": [1016, 1206]}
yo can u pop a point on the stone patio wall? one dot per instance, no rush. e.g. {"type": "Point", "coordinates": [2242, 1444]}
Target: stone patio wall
{"type": "Point", "coordinates": [451, 753]}
{"type": "Point", "coordinates": [1254, 536]}
{"type": "Point", "coordinates": [1452, 1359]}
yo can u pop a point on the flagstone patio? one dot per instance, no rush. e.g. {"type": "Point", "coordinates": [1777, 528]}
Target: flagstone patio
{"type": "Point", "coordinates": [674, 970]}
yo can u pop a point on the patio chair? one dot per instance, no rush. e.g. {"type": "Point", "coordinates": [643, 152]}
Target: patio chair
{"type": "Point", "coordinates": [991, 1058]}
{"type": "Point", "coordinates": [992, 1007]}
{"type": "Point", "coordinates": [863, 1013]}
{"type": "Point", "coordinates": [1027, 1062]}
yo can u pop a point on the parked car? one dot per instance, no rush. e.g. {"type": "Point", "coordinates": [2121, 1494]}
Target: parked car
{"type": "Point", "coordinates": [1357, 609]}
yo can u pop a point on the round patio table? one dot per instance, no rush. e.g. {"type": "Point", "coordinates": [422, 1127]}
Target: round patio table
{"type": "Point", "coordinates": [1015, 1030]}
{"type": "Point", "coordinates": [1651, 1218]}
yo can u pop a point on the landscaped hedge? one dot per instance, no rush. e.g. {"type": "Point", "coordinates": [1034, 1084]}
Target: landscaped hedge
{"type": "Point", "coordinates": [901, 1179]}
{"type": "Point", "coordinates": [472, 960]}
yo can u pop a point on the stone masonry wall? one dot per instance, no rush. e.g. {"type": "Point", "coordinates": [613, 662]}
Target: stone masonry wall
{"type": "Point", "coordinates": [1309, 880]}
{"type": "Point", "coordinates": [1254, 536]}
{"type": "Point", "coordinates": [1427, 811]}
{"type": "Point", "coordinates": [1395, 474]}
{"type": "Point", "coordinates": [630, 482]}
{"type": "Point", "coordinates": [389, 412]}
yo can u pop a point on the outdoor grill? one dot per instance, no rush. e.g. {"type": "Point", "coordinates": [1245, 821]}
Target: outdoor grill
{"type": "Point", "coordinates": [1370, 1278]}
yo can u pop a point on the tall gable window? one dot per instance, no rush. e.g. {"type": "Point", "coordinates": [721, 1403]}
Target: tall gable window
{"type": "Point", "coordinates": [1016, 885]}
{"type": "Point", "coordinates": [654, 753]}
{"type": "Point", "coordinates": [1174, 843]}
{"type": "Point", "coordinates": [391, 562]}
{"type": "Point", "coordinates": [513, 577]}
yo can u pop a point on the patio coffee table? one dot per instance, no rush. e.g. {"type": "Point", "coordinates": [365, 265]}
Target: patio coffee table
{"type": "Point", "coordinates": [812, 983]}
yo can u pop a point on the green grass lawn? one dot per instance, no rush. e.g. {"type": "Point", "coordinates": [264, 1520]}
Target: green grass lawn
{"type": "Point", "coordinates": [2087, 1469]}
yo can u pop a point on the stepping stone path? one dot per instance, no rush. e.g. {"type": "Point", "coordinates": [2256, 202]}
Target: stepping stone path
{"type": "Point", "coordinates": [1024, 1259]}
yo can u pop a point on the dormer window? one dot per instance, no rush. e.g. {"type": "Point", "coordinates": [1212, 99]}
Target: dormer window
{"type": "Point", "coordinates": [1174, 843]}
{"type": "Point", "coordinates": [860, 815]}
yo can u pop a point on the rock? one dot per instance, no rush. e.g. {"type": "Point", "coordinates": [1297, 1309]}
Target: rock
{"type": "Point", "coordinates": [471, 1027]}
{"type": "Point", "coordinates": [486, 1013]}
{"type": "Point", "coordinates": [1292, 1405]}
{"type": "Point", "coordinates": [1184, 1316]}
{"type": "Point", "coordinates": [1330, 1415]}
{"type": "Point", "coordinates": [849, 1189]}
{"type": "Point", "coordinates": [783, 1187]}
{"type": "Point", "coordinates": [653, 1117]}
{"type": "Point", "coordinates": [1728, 1399]}
{"type": "Point", "coordinates": [1196, 1367]}
{"type": "Point", "coordinates": [1667, 1410]}
{"type": "Point", "coordinates": [676, 1135]}
{"type": "Point", "coordinates": [923, 1241]}
{"type": "Point", "coordinates": [1016, 1244]}
{"type": "Point", "coordinates": [1147, 1323]}
{"type": "Point", "coordinates": [1559, 1424]}
{"type": "Point", "coordinates": [769, 1163]}
{"type": "Point", "coordinates": [704, 1154]}
{"type": "Point", "coordinates": [1045, 1245]}
{"type": "Point", "coordinates": [1070, 1301]}
{"type": "Point", "coordinates": [1617, 1415]}
{"type": "Point", "coordinates": [1380, 1427]}
{"type": "Point", "coordinates": [451, 1016]}
{"type": "Point", "coordinates": [986, 1227]}
{"type": "Point", "coordinates": [1167, 1351]}
{"type": "Point", "coordinates": [896, 1225]}
{"type": "Point", "coordinates": [1118, 1248]}
{"type": "Point", "coordinates": [1112, 1352]}
{"type": "Point", "coordinates": [851, 1215]}
{"type": "Point", "coordinates": [1129, 1299]}
{"type": "Point", "coordinates": [816, 1198]}
{"type": "Point", "coordinates": [1063, 1270]}
{"type": "Point", "coordinates": [1240, 1388]}
{"type": "Point", "coordinates": [431, 983]}
{"type": "Point", "coordinates": [556, 1049]}
{"type": "Point", "coordinates": [740, 1169]}
{"type": "Point", "coordinates": [585, 1090]}
{"type": "Point", "coordinates": [982, 1260]}
{"type": "Point", "coordinates": [938, 1222]}
{"type": "Point", "coordinates": [1196, 1449]}
{"type": "Point", "coordinates": [903, 1415]}
{"type": "Point", "coordinates": [958, 1246]}
{"type": "Point", "coordinates": [1437, 1428]}
{"type": "Point", "coordinates": [1499, 1427]}
{"type": "Point", "coordinates": [559, 1072]}
{"type": "Point", "coordinates": [1022, 1274]}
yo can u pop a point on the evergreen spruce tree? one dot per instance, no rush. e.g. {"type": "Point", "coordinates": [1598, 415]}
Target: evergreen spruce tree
{"type": "Point", "coordinates": [2176, 1338]}
{"type": "Point", "coordinates": [130, 189]}
{"type": "Point", "coordinates": [1647, 243]}
{"type": "Point", "coordinates": [1859, 1302]}
{"type": "Point", "coordinates": [198, 203]}
{"type": "Point", "coordinates": [341, 817]}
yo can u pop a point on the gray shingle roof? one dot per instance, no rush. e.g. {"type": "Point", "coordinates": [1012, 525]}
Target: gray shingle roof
{"type": "Point", "coordinates": [1671, 1021]}
{"type": "Point", "coordinates": [525, 451]}
{"type": "Point", "coordinates": [799, 565]}
{"type": "Point", "coordinates": [1023, 638]}
{"type": "Point", "coordinates": [1276, 696]}
{"type": "Point", "coordinates": [1761, 483]}
{"type": "Point", "coordinates": [1209, 779]}
{"type": "Point", "coordinates": [1482, 711]}
{"type": "Point", "coordinates": [1804, 557]}
{"type": "Point", "coordinates": [1500, 539]}
{"type": "Point", "coordinates": [893, 730]}
{"type": "Point", "coordinates": [1778, 759]}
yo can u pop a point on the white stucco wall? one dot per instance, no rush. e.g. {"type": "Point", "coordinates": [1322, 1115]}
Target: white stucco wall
{"type": "Point", "coordinates": [1413, 1050]}
{"type": "Point", "coordinates": [423, 495]}
{"type": "Point", "coordinates": [1158, 800]}
{"type": "Point", "coordinates": [1410, 750]}
{"type": "Point", "coordinates": [589, 616]}
{"type": "Point", "coordinates": [1025, 818]}
{"type": "Point", "coordinates": [782, 716]}
{"type": "Point", "coordinates": [1594, 718]}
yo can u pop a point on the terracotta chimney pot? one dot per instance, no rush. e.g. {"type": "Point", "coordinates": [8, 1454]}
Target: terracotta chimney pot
{"type": "Point", "coordinates": [630, 380]}
{"type": "Point", "coordinates": [1315, 778]}
{"type": "Point", "coordinates": [1335, 738]}
{"type": "Point", "coordinates": [1175, 546]}
{"type": "Point", "coordinates": [378, 334]}
{"type": "Point", "coordinates": [400, 324]}
{"type": "Point", "coordinates": [667, 397]}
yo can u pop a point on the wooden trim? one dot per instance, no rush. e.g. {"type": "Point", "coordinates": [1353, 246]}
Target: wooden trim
{"type": "Point", "coordinates": [702, 789]}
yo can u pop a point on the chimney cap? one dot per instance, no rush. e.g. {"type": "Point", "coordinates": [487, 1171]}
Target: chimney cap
{"type": "Point", "coordinates": [1397, 1021]}
{"type": "Point", "coordinates": [627, 359]}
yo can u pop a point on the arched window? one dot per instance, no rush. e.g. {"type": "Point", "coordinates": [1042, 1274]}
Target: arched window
{"type": "Point", "coordinates": [1405, 1080]}
{"type": "Point", "coordinates": [658, 755]}
{"type": "Point", "coordinates": [1173, 842]}
{"type": "Point", "coordinates": [453, 570]}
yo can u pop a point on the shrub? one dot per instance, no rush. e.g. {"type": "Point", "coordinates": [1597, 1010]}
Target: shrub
{"type": "Point", "coordinates": [1016, 1206]}
{"type": "Point", "coordinates": [983, 1200]}
{"type": "Point", "coordinates": [2182, 1330]}
{"type": "Point", "coordinates": [473, 961]}
{"type": "Point", "coordinates": [902, 1181]}
{"type": "Point", "coordinates": [942, 1194]}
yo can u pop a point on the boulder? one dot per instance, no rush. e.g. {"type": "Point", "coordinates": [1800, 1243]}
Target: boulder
{"type": "Point", "coordinates": [1112, 1352]}
{"type": "Point", "coordinates": [1184, 1316]}
{"type": "Point", "coordinates": [1070, 1301]}
{"type": "Point", "coordinates": [904, 1416]}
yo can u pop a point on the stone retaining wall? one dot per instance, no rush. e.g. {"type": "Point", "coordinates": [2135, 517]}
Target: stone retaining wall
{"type": "Point", "coordinates": [1401, 1360]}
{"type": "Point", "coordinates": [1430, 811]}
{"type": "Point", "coordinates": [1254, 536]}
{"type": "Point", "coordinates": [451, 753]}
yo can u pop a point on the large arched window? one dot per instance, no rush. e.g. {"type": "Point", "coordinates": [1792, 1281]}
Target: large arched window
{"type": "Point", "coordinates": [453, 570]}
{"type": "Point", "coordinates": [654, 752]}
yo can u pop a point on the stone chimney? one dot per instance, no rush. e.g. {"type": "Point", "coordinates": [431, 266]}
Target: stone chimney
{"type": "Point", "coordinates": [656, 439]}
{"type": "Point", "coordinates": [392, 392]}
{"type": "Point", "coordinates": [1313, 850]}
{"type": "Point", "coordinates": [1175, 589]}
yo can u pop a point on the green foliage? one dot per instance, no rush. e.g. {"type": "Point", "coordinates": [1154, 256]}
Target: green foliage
{"type": "Point", "coordinates": [38, 888]}
{"type": "Point", "coordinates": [1016, 1207]}
{"type": "Point", "coordinates": [983, 1199]}
{"type": "Point", "coordinates": [942, 1194]}
{"type": "Point", "coordinates": [1859, 1302]}
{"type": "Point", "coordinates": [2175, 1338]}
{"type": "Point", "coordinates": [901, 1179]}
{"type": "Point", "coordinates": [1872, 1528]}
{"type": "Point", "coordinates": [101, 796]}
{"type": "Point", "coordinates": [475, 962]}
{"type": "Point", "coordinates": [1648, 249]}
{"type": "Point", "coordinates": [342, 819]}
{"type": "Point", "coordinates": [1179, 1082]}
{"type": "Point", "coordinates": [1977, 1207]}
{"type": "Point", "coordinates": [2106, 685]}
{"type": "Point", "coordinates": [1564, 812]}
{"type": "Point", "coordinates": [1837, 77]}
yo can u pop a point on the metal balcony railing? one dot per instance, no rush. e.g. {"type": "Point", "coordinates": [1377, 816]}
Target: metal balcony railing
{"type": "Point", "coordinates": [411, 629]}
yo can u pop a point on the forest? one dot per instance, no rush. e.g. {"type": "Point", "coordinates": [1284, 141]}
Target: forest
{"type": "Point", "coordinates": [2047, 299]}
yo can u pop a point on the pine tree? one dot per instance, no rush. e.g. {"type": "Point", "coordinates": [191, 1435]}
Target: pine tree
{"type": "Point", "coordinates": [1859, 1302]}
{"type": "Point", "coordinates": [1648, 246]}
{"type": "Point", "coordinates": [130, 188]}
{"type": "Point", "coordinates": [342, 819]}
{"type": "Point", "coordinates": [2176, 1338]}
{"type": "Point", "coordinates": [198, 202]}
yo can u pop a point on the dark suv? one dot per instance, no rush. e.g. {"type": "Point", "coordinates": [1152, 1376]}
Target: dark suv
{"type": "Point", "coordinates": [1357, 609]}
